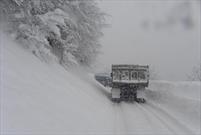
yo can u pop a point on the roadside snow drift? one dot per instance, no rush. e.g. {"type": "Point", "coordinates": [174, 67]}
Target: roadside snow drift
{"type": "Point", "coordinates": [37, 97]}
{"type": "Point", "coordinates": [44, 98]}
{"type": "Point", "coordinates": [179, 99]}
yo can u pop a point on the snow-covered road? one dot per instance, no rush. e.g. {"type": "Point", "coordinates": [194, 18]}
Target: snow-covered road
{"type": "Point", "coordinates": [42, 98]}
{"type": "Point", "coordinates": [149, 118]}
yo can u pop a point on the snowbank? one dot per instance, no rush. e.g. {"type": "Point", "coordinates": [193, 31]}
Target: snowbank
{"type": "Point", "coordinates": [180, 99]}
{"type": "Point", "coordinates": [37, 97]}
{"type": "Point", "coordinates": [185, 89]}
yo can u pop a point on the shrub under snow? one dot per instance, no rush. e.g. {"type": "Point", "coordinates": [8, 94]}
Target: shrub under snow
{"type": "Point", "coordinates": [69, 29]}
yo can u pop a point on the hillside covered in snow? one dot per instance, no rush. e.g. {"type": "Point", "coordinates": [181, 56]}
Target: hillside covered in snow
{"type": "Point", "coordinates": [67, 31]}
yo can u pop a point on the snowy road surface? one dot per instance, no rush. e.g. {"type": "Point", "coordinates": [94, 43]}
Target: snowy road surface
{"type": "Point", "coordinates": [150, 118]}
{"type": "Point", "coordinates": [43, 98]}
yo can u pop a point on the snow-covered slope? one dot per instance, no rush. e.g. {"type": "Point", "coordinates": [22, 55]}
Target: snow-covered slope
{"type": "Point", "coordinates": [37, 97]}
{"type": "Point", "coordinates": [179, 99]}
{"type": "Point", "coordinates": [44, 98]}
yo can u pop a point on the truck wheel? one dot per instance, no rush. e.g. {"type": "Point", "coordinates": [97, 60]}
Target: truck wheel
{"type": "Point", "coordinates": [116, 100]}
{"type": "Point", "coordinates": [140, 100]}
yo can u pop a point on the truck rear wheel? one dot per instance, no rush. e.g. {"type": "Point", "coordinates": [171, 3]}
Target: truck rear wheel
{"type": "Point", "coordinates": [115, 95]}
{"type": "Point", "coordinates": [140, 100]}
{"type": "Point", "coordinates": [116, 100]}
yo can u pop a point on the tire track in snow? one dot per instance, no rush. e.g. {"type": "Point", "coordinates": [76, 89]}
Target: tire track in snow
{"type": "Point", "coordinates": [149, 115]}
{"type": "Point", "coordinates": [115, 118]}
{"type": "Point", "coordinates": [119, 126]}
{"type": "Point", "coordinates": [145, 123]}
{"type": "Point", "coordinates": [170, 117]}
{"type": "Point", "coordinates": [149, 120]}
{"type": "Point", "coordinates": [137, 122]}
{"type": "Point", "coordinates": [165, 118]}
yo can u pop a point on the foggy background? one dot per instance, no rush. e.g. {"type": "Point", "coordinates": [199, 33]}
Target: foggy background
{"type": "Point", "coordinates": [162, 34]}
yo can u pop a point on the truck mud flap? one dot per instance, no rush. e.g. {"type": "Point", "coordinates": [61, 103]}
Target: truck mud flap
{"type": "Point", "coordinates": [140, 100]}
{"type": "Point", "coordinates": [115, 93]}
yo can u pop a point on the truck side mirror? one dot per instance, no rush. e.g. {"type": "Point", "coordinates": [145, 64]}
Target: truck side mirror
{"type": "Point", "coordinates": [111, 74]}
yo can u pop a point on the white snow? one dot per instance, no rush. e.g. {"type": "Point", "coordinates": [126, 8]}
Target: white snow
{"type": "Point", "coordinates": [179, 99]}
{"type": "Point", "coordinates": [54, 18]}
{"type": "Point", "coordinates": [42, 98]}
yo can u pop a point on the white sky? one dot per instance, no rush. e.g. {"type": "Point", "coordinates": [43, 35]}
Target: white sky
{"type": "Point", "coordinates": [172, 51]}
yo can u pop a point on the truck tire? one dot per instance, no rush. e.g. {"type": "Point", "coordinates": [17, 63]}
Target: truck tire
{"type": "Point", "coordinates": [116, 100]}
{"type": "Point", "coordinates": [140, 100]}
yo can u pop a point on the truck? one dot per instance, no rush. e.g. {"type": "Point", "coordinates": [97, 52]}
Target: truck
{"type": "Point", "coordinates": [127, 81]}
{"type": "Point", "coordinates": [104, 79]}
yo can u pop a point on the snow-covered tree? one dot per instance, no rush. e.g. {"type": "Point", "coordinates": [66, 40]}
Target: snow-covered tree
{"type": "Point", "coordinates": [69, 29]}
{"type": "Point", "coordinates": [195, 75]}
